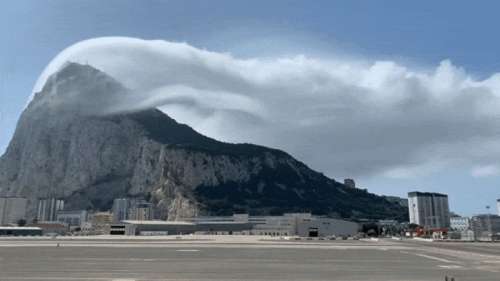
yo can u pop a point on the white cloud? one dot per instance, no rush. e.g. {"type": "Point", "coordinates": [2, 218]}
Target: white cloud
{"type": "Point", "coordinates": [485, 171]}
{"type": "Point", "coordinates": [341, 116]}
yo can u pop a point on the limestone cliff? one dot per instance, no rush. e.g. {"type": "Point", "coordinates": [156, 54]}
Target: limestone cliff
{"type": "Point", "coordinates": [70, 144]}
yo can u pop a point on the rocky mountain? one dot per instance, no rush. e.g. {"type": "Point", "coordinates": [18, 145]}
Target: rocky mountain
{"type": "Point", "coordinates": [398, 200]}
{"type": "Point", "coordinates": [69, 143]}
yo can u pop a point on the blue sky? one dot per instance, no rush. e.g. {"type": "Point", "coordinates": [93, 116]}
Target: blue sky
{"type": "Point", "coordinates": [420, 34]}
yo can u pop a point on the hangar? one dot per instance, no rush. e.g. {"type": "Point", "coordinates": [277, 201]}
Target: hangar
{"type": "Point", "coordinates": [293, 224]}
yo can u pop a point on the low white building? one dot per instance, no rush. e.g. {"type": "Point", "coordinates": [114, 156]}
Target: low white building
{"type": "Point", "coordinates": [486, 227]}
{"type": "Point", "coordinates": [459, 223]}
{"type": "Point", "coordinates": [286, 225]}
{"type": "Point", "coordinates": [75, 218]}
{"type": "Point", "coordinates": [289, 224]}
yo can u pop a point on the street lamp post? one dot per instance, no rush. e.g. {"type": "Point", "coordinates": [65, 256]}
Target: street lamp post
{"type": "Point", "coordinates": [488, 222]}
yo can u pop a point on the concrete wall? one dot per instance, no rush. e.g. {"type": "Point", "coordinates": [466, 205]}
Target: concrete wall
{"type": "Point", "coordinates": [327, 227]}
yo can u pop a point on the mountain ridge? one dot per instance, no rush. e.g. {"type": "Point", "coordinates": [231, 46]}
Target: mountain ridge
{"type": "Point", "coordinates": [69, 144]}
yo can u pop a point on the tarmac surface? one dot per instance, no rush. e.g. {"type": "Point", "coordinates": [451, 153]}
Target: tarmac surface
{"type": "Point", "coordinates": [244, 258]}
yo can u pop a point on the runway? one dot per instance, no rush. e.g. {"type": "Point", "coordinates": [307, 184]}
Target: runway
{"type": "Point", "coordinates": [236, 258]}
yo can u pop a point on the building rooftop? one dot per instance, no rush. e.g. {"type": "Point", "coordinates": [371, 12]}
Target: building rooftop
{"type": "Point", "coordinates": [158, 222]}
{"type": "Point", "coordinates": [428, 194]}
{"type": "Point", "coordinates": [71, 211]}
{"type": "Point", "coordinates": [19, 228]}
{"type": "Point", "coordinates": [222, 222]}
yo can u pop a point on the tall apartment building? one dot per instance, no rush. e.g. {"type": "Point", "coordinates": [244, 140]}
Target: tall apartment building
{"type": "Point", "coordinates": [12, 209]}
{"type": "Point", "coordinates": [498, 206]}
{"type": "Point", "coordinates": [140, 210]}
{"type": "Point", "coordinates": [429, 210]}
{"type": "Point", "coordinates": [120, 209]}
{"type": "Point", "coordinates": [48, 208]}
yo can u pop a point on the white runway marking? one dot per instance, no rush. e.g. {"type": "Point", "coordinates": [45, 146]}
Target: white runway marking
{"type": "Point", "coordinates": [488, 261]}
{"type": "Point", "coordinates": [435, 258]}
{"type": "Point", "coordinates": [57, 278]}
{"type": "Point", "coordinates": [450, 266]}
{"type": "Point", "coordinates": [453, 266]}
{"type": "Point", "coordinates": [101, 279]}
{"type": "Point", "coordinates": [187, 250]}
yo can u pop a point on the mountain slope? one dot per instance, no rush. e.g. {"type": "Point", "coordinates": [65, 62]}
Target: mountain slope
{"type": "Point", "coordinates": [70, 144]}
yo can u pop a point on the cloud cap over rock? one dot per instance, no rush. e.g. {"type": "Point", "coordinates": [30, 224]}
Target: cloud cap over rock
{"type": "Point", "coordinates": [342, 116]}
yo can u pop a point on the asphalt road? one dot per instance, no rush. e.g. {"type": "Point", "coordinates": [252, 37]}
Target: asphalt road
{"type": "Point", "coordinates": [245, 260]}
{"type": "Point", "coordinates": [482, 247]}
